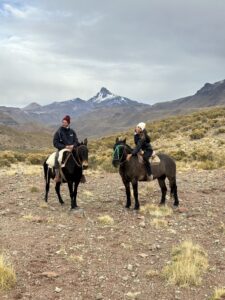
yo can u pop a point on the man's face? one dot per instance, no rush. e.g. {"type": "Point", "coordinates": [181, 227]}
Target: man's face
{"type": "Point", "coordinates": [65, 124]}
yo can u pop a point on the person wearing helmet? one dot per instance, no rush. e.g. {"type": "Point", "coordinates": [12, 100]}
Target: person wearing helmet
{"type": "Point", "coordinates": [142, 142]}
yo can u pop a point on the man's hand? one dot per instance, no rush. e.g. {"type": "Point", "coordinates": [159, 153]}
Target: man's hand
{"type": "Point", "coordinates": [129, 156]}
{"type": "Point", "coordinates": [70, 147]}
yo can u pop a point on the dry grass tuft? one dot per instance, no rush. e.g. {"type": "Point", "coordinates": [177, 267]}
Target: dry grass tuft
{"type": "Point", "coordinates": [156, 211]}
{"type": "Point", "coordinates": [159, 223]}
{"type": "Point", "coordinates": [152, 273]}
{"type": "Point", "coordinates": [75, 258]}
{"type": "Point", "coordinates": [43, 205]}
{"type": "Point", "coordinates": [189, 261]}
{"type": "Point", "coordinates": [219, 294]}
{"type": "Point", "coordinates": [7, 274]}
{"type": "Point", "coordinates": [34, 189]}
{"type": "Point", "coordinates": [106, 220]}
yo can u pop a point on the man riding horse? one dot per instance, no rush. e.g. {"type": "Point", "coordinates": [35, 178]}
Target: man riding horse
{"type": "Point", "coordinates": [64, 138]}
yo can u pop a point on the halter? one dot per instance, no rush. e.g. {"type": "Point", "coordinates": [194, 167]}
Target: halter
{"type": "Point", "coordinates": [116, 152]}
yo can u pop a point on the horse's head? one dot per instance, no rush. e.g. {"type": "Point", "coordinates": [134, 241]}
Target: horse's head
{"type": "Point", "coordinates": [119, 152]}
{"type": "Point", "coordinates": [82, 154]}
{"type": "Point", "coordinates": [77, 158]}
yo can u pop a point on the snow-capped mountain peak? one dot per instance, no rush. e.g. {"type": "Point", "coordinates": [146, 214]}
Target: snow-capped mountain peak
{"type": "Point", "coordinates": [101, 96]}
{"type": "Point", "coordinates": [104, 96]}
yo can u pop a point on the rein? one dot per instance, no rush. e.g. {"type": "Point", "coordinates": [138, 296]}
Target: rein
{"type": "Point", "coordinates": [77, 162]}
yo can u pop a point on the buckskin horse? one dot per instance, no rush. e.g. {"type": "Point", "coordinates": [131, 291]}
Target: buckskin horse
{"type": "Point", "coordinates": [73, 163]}
{"type": "Point", "coordinates": [133, 171]}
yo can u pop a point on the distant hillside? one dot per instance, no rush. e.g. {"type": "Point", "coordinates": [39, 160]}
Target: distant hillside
{"type": "Point", "coordinates": [195, 140]}
{"type": "Point", "coordinates": [106, 113]}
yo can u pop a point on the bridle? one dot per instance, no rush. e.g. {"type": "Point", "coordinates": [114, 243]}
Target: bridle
{"type": "Point", "coordinates": [78, 160]}
{"type": "Point", "coordinates": [117, 153]}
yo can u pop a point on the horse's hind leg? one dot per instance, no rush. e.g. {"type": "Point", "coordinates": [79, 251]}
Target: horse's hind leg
{"type": "Point", "coordinates": [47, 186]}
{"type": "Point", "coordinates": [135, 189]}
{"type": "Point", "coordinates": [57, 189]}
{"type": "Point", "coordinates": [173, 190]}
{"type": "Point", "coordinates": [162, 184]}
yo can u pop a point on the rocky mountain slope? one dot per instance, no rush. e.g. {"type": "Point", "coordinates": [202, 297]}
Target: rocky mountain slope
{"type": "Point", "coordinates": [106, 113]}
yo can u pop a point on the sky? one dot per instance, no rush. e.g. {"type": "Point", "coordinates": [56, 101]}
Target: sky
{"type": "Point", "coordinates": [146, 50]}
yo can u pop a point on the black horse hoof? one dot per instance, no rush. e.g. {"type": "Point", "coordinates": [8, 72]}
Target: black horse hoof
{"type": "Point", "coordinates": [136, 207]}
{"type": "Point", "coordinates": [61, 202]}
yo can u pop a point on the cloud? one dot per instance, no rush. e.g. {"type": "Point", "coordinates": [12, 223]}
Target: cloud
{"type": "Point", "coordinates": [147, 50]}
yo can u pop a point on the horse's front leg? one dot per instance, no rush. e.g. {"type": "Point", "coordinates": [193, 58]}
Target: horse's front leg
{"type": "Point", "coordinates": [73, 194]}
{"type": "Point", "coordinates": [57, 189]}
{"type": "Point", "coordinates": [135, 189]}
{"type": "Point", "coordinates": [127, 186]}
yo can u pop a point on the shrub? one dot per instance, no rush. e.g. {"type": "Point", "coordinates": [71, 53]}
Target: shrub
{"type": "Point", "coordinates": [179, 154]}
{"type": "Point", "coordinates": [7, 274]}
{"type": "Point", "coordinates": [106, 220]}
{"type": "Point", "coordinates": [36, 158]}
{"type": "Point", "coordinates": [202, 155]}
{"type": "Point", "coordinates": [220, 131]}
{"type": "Point", "coordinates": [197, 134]}
{"type": "Point", "coordinates": [219, 294]}
{"type": "Point", "coordinates": [189, 261]}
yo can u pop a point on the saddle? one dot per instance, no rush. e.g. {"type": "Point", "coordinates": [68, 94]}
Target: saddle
{"type": "Point", "coordinates": [51, 159]}
{"type": "Point", "coordinates": [154, 159]}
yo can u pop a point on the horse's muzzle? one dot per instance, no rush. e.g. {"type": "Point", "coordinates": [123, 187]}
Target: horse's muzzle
{"type": "Point", "coordinates": [85, 165]}
{"type": "Point", "coordinates": [115, 163]}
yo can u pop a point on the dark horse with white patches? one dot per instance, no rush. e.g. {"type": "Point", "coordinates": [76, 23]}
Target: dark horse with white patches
{"type": "Point", "coordinates": [73, 163]}
{"type": "Point", "coordinates": [133, 171]}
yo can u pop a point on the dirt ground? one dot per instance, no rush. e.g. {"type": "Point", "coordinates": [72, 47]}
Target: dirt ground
{"type": "Point", "coordinates": [62, 255]}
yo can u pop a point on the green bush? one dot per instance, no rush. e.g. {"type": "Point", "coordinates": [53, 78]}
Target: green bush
{"type": "Point", "coordinates": [202, 155]}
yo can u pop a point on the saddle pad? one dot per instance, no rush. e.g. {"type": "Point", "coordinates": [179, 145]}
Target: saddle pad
{"type": "Point", "coordinates": [51, 159]}
{"type": "Point", "coordinates": [154, 159]}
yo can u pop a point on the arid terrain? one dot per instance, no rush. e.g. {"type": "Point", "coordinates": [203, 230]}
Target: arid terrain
{"type": "Point", "coordinates": [59, 254]}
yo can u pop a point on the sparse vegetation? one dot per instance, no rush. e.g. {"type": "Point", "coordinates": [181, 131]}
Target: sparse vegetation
{"type": "Point", "coordinates": [151, 273]}
{"type": "Point", "coordinates": [34, 189]}
{"type": "Point", "coordinates": [194, 140]}
{"type": "Point", "coordinates": [188, 263]}
{"type": "Point", "coordinates": [219, 294]}
{"type": "Point", "coordinates": [106, 220]}
{"type": "Point", "coordinates": [7, 274]}
{"type": "Point", "coordinates": [156, 211]}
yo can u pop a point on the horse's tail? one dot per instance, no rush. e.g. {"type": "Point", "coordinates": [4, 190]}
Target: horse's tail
{"type": "Point", "coordinates": [45, 167]}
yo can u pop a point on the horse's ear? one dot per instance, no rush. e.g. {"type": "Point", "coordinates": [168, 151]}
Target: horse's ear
{"type": "Point", "coordinates": [125, 141]}
{"type": "Point", "coordinates": [117, 140]}
{"type": "Point", "coordinates": [85, 141]}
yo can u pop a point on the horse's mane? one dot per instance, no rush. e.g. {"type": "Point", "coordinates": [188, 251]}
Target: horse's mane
{"type": "Point", "coordinates": [128, 148]}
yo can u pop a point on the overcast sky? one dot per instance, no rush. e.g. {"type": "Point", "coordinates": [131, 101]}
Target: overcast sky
{"type": "Point", "coordinates": [146, 50]}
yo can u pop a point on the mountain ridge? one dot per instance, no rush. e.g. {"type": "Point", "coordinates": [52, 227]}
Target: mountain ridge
{"type": "Point", "coordinates": [106, 112]}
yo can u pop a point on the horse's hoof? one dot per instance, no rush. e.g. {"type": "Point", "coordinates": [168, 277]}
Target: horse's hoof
{"type": "Point", "coordinates": [136, 207]}
{"type": "Point", "coordinates": [162, 204]}
{"type": "Point", "coordinates": [127, 207]}
{"type": "Point", "coordinates": [76, 208]}
{"type": "Point", "coordinates": [61, 202]}
{"type": "Point", "coordinates": [78, 212]}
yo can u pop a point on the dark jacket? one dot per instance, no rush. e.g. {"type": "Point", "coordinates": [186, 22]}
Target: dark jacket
{"type": "Point", "coordinates": [64, 137]}
{"type": "Point", "coordinates": [142, 142]}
